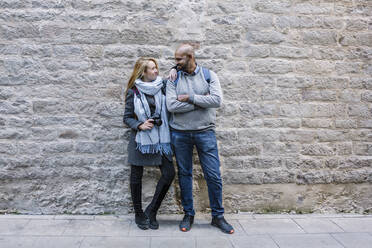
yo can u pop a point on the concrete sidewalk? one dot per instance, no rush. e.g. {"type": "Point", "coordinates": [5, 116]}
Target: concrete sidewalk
{"type": "Point", "coordinates": [251, 230]}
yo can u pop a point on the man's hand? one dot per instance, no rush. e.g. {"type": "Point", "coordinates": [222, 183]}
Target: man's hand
{"type": "Point", "coordinates": [147, 125]}
{"type": "Point", "coordinates": [183, 98]}
{"type": "Point", "coordinates": [172, 75]}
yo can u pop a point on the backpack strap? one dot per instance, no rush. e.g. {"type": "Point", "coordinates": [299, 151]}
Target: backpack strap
{"type": "Point", "coordinates": [206, 74]}
{"type": "Point", "coordinates": [178, 77]}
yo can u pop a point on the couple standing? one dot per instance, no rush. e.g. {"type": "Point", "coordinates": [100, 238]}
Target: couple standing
{"type": "Point", "coordinates": [189, 99]}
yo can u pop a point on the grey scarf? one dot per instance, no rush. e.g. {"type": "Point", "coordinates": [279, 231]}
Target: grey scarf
{"type": "Point", "coordinates": [158, 138]}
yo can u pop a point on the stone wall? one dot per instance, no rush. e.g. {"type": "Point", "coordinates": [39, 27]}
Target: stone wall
{"type": "Point", "coordinates": [295, 129]}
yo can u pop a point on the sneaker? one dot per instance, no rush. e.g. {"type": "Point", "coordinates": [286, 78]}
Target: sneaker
{"type": "Point", "coordinates": [221, 223]}
{"type": "Point", "coordinates": [142, 221]}
{"type": "Point", "coordinates": [153, 223]}
{"type": "Point", "coordinates": [186, 223]}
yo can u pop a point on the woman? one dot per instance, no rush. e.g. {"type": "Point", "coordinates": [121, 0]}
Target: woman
{"type": "Point", "coordinates": [149, 143]}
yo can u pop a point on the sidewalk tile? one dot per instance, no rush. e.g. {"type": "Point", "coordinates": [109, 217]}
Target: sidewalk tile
{"type": "Point", "coordinates": [354, 224]}
{"type": "Point", "coordinates": [97, 228]}
{"type": "Point", "coordinates": [215, 242]}
{"type": "Point", "coordinates": [58, 242]}
{"type": "Point", "coordinates": [318, 225]}
{"type": "Point", "coordinates": [12, 227]}
{"type": "Point", "coordinates": [171, 242]}
{"type": "Point", "coordinates": [263, 226]}
{"type": "Point", "coordinates": [306, 241]}
{"type": "Point", "coordinates": [45, 227]}
{"type": "Point", "coordinates": [253, 241]}
{"type": "Point", "coordinates": [16, 241]}
{"type": "Point", "coordinates": [352, 240]}
{"type": "Point", "coordinates": [115, 242]}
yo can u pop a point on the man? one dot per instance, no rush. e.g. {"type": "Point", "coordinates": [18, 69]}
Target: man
{"type": "Point", "coordinates": [192, 102]}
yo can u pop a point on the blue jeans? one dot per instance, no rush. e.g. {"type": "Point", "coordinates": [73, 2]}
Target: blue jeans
{"type": "Point", "coordinates": [206, 146]}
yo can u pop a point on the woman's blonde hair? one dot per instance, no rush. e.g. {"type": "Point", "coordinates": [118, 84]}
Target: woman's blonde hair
{"type": "Point", "coordinates": [139, 69]}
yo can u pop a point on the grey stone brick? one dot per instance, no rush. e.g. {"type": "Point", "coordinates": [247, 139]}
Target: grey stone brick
{"type": "Point", "coordinates": [240, 150]}
{"type": "Point", "coordinates": [280, 148]}
{"type": "Point", "coordinates": [36, 50]}
{"type": "Point", "coordinates": [363, 149]}
{"type": "Point", "coordinates": [346, 124]}
{"type": "Point", "coordinates": [367, 96]}
{"type": "Point", "coordinates": [252, 51]}
{"type": "Point", "coordinates": [348, 68]}
{"type": "Point", "coordinates": [95, 36]}
{"type": "Point", "coordinates": [271, 66]}
{"type": "Point", "coordinates": [16, 107]}
{"type": "Point", "coordinates": [163, 35]}
{"type": "Point", "coordinates": [290, 52]}
{"type": "Point", "coordinates": [295, 82]}
{"type": "Point", "coordinates": [302, 136]}
{"type": "Point", "coordinates": [317, 123]}
{"type": "Point", "coordinates": [60, 147]}
{"type": "Point", "coordinates": [6, 148]}
{"type": "Point", "coordinates": [361, 110]}
{"type": "Point", "coordinates": [287, 21]}
{"type": "Point", "coordinates": [356, 24]}
{"type": "Point", "coordinates": [329, 53]}
{"type": "Point", "coordinates": [276, 7]}
{"type": "Point", "coordinates": [361, 83]}
{"type": "Point", "coordinates": [254, 21]}
{"type": "Point", "coordinates": [318, 150]}
{"type": "Point", "coordinates": [319, 37]}
{"type": "Point", "coordinates": [314, 67]}
{"type": "Point", "coordinates": [55, 33]}
{"type": "Point", "coordinates": [266, 37]}
{"type": "Point", "coordinates": [355, 162]}
{"type": "Point", "coordinates": [331, 83]}
{"type": "Point", "coordinates": [319, 95]}
{"type": "Point", "coordinates": [90, 147]}
{"type": "Point", "coordinates": [358, 39]}
{"type": "Point", "coordinates": [309, 8]}
{"type": "Point", "coordinates": [350, 96]}
{"type": "Point", "coordinates": [14, 134]}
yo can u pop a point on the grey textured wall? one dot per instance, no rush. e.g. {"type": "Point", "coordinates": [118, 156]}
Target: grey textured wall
{"type": "Point", "coordinates": [295, 130]}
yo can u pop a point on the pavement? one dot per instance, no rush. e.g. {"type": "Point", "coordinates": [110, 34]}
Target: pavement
{"type": "Point", "coordinates": [251, 230]}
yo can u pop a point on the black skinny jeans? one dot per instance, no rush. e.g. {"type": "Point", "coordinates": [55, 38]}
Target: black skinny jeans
{"type": "Point", "coordinates": [167, 176]}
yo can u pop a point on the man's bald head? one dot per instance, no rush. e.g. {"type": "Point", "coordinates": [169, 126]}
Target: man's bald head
{"type": "Point", "coordinates": [186, 49]}
{"type": "Point", "coordinates": [185, 58]}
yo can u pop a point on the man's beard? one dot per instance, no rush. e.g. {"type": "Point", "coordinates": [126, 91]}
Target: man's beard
{"type": "Point", "coordinates": [183, 67]}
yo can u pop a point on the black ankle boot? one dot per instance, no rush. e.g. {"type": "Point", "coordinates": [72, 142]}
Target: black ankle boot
{"type": "Point", "coordinates": [142, 221]}
{"type": "Point", "coordinates": [151, 215]}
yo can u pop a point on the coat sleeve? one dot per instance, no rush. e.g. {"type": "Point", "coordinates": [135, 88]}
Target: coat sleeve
{"type": "Point", "coordinates": [129, 117]}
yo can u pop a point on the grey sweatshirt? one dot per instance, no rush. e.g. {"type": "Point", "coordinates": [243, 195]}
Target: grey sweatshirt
{"type": "Point", "coordinates": [200, 112]}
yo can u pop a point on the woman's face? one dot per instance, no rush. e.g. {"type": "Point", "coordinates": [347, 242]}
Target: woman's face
{"type": "Point", "coordinates": [151, 72]}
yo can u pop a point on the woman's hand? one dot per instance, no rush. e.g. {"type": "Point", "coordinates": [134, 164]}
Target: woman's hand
{"type": "Point", "coordinates": [147, 125]}
{"type": "Point", "coordinates": [172, 75]}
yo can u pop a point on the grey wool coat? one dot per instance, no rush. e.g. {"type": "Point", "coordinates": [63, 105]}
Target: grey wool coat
{"type": "Point", "coordinates": [135, 157]}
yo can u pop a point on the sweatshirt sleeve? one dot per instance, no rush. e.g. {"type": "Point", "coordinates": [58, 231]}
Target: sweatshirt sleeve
{"type": "Point", "coordinates": [173, 105]}
{"type": "Point", "coordinates": [214, 99]}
